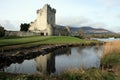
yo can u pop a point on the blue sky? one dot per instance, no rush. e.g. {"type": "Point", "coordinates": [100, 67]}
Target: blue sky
{"type": "Point", "coordinates": [95, 13]}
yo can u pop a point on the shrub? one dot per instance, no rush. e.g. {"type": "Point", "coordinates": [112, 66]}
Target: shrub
{"type": "Point", "coordinates": [24, 27]}
{"type": "Point", "coordinates": [2, 31]}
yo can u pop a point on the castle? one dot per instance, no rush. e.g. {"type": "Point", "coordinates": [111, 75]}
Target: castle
{"type": "Point", "coordinates": [45, 24]}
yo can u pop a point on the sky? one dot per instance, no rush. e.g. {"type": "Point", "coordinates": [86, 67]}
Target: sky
{"type": "Point", "coordinates": [95, 13]}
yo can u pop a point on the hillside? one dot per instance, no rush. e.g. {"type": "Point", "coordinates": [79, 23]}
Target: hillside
{"type": "Point", "coordinates": [90, 30]}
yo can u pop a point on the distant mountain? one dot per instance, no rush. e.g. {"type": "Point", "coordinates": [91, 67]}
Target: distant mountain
{"type": "Point", "coordinates": [87, 28]}
{"type": "Point", "coordinates": [90, 30]}
{"type": "Point", "coordinates": [74, 29]}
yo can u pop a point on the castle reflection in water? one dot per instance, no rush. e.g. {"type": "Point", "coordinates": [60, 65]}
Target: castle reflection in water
{"type": "Point", "coordinates": [45, 64]}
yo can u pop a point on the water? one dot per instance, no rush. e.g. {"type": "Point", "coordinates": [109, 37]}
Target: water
{"type": "Point", "coordinates": [106, 39]}
{"type": "Point", "coordinates": [58, 61]}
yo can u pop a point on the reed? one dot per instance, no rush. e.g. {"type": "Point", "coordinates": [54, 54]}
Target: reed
{"type": "Point", "coordinates": [111, 57]}
{"type": "Point", "coordinates": [111, 47]}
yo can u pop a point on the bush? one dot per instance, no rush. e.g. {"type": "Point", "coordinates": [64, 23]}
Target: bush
{"type": "Point", "coordinates": [2, 31]}
{"type": "Point", "coordinates": [24, 27]}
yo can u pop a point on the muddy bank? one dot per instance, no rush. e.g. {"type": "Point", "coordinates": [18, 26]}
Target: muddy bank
{"type": "Point", "coordinates": [41, 49]}
{"type": "Point", "coordinates": [4, 49]}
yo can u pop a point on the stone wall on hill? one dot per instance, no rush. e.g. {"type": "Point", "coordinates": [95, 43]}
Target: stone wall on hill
{"type": "Point", "coordinates": [20, 33]}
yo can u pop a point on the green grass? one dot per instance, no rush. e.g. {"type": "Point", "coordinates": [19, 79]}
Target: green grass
{"type": "Point", "coordinates": [7, 76]}
{"type": "Point", "coordinates": [90, 74]}
{"type": "Point", "coordinates": [110, 62]}
{"type": "Point", "coordinates": [33, 41]}
{"type": "Point", "coordinates": [112, 59]}
{"type": "Point", "coordinates": [22, 40]}
{"type": "Point", "coordinates": [41, 40]}
{"type": "Point", "coordinates": [62, 39]}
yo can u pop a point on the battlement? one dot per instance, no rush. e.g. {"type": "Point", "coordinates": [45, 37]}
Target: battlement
{"type": "Point", "coordinates": [49, 7]}
{"type": "Point", "coordinates": [46, 7]}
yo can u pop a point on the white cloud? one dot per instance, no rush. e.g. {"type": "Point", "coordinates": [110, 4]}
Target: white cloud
{"type": "Point", "coordinates": [73, 21]}
{"type": "Point", "coordinates": [118, 16]}
{"type": "Point", "coordinates": [110, 3]}
{"type": "Point", "coordinates": [9, 25]}
{"type": "Point", "coordinates": [115, 28]}
{"type": "Point", "coordinates": [98, 25]}
{"type": "Point", "coordinates": [80, 21]}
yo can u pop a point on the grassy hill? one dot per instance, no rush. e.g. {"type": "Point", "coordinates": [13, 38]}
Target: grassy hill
{"type": "Point", "coordinates": [39, 40]}
{"type": "Point", "coordinates": [91, 30]}
{"type": "Point", "coordinates": [33, 41]}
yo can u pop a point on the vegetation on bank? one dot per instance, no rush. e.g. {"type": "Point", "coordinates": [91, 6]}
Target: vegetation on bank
{"type": "Point", "coordinates": [111, 57]}
{"type": "Point", "coordinates": [111, 64]}
{"type": "Point", "coordinates": [42, 40]}
{"type": "Point", "coordinates": [75, 74]}
{"type": "Point", "coordinates": [101, 35]}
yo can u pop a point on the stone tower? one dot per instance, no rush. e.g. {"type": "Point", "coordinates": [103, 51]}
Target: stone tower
{"type": "Point", "coordinates": [45, 21]}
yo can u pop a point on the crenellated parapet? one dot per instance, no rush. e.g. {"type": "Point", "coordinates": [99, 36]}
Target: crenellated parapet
{"type": "Point", "coordinates": [46, 8]}
{"type": "Point", "coordinates": [49, 7]}
{"type": "Point", "coordinates": [38, 11]}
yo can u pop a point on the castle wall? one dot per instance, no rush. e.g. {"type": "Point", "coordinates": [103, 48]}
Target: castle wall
{"type": "Point", "coordinates": [19, 33]}
{"type": "Point", "coordinates": [61, 31]}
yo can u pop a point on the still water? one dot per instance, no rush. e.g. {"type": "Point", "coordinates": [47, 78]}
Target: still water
{"type": "Point", "coordinates": [106, 39]}
{"type": "Point", "coordinates": [59, 60]}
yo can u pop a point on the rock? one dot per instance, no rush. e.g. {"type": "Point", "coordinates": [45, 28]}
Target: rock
{"type": "Point", "coordinates": [19, 53]}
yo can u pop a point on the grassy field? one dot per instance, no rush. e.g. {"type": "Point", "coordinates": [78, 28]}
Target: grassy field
{"type": "Point", "coordinates": [21, 40]}
{"type": "Point", "coordinates": [34, 40]}
{"type": "Point", "coordinates": [40, 40]}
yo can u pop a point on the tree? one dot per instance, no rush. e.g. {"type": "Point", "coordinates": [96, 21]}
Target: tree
{"type": "Point", "coordinates": [24, 27]}
{"type": "Point", "coordinates": [2, 31]}
{"type": "Point", "coordinates": [80, 33]}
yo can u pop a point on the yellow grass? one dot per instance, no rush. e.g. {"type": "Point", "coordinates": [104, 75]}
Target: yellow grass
{"type": "Point", "coordinates": [111, 47]}
{"type": "Point", "coordinates": [111, 56]}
